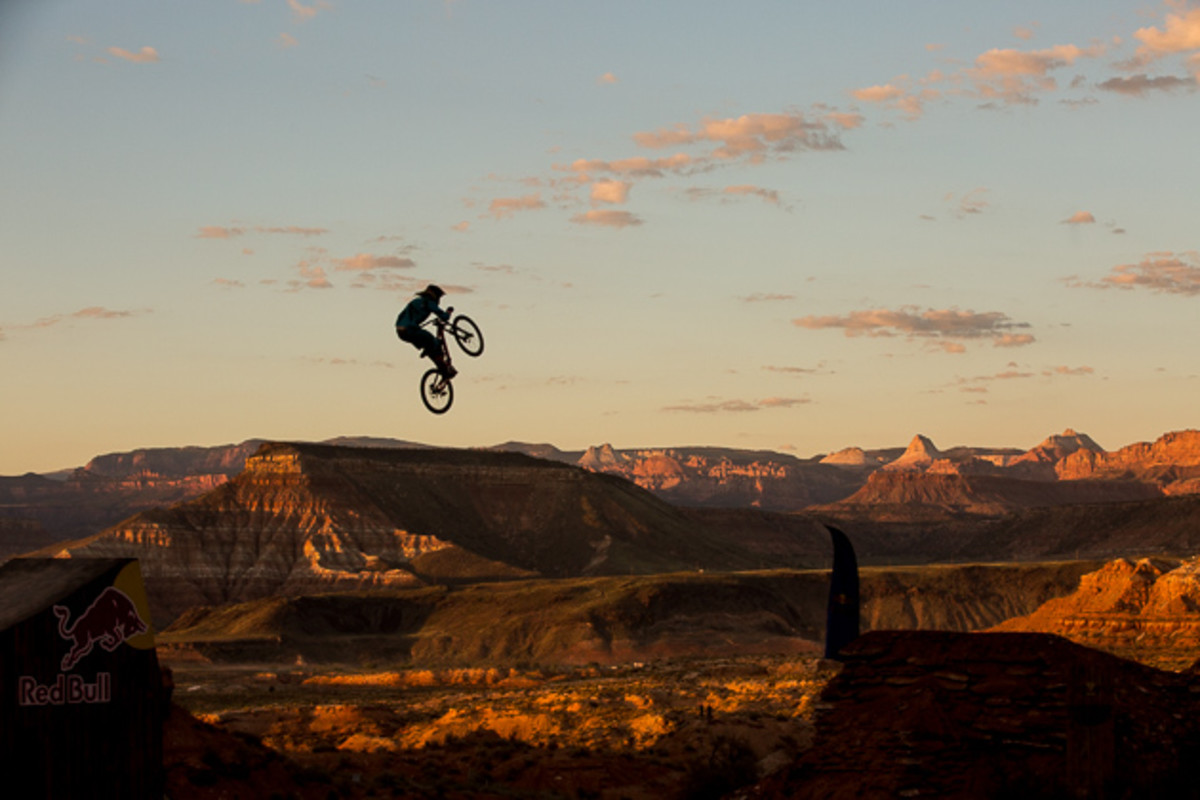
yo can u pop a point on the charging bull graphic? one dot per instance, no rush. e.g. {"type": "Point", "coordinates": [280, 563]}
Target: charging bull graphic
{"type": "Point", "coordinates": [110, 620]}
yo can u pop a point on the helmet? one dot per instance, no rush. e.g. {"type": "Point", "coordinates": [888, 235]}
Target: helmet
{"type": "Point", "coordinates": [433, 291]}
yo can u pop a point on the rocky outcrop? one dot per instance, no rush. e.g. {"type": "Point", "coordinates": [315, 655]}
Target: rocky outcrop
{"type": "Point", "coordinates": [854, 457]}
{"type": "Point", "coordinates": [1147, 609]}
{"type": "Point", "coordinates": [1172, 461]}
{"type": "Point", "coordinates": [920, 454]}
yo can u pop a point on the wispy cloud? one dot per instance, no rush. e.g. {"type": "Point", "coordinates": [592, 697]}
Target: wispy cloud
{"type": "Point", "coordinates": [767, 297]}
{"type": "Point", "coordinates": [1167, 272]}
{"type": "Point", "coordinates": [607, 79]}
{"type": "Point", "coordinates": [715, 406]}
{"type": "Point", "coordinates": [286, 40]}
{"type": "Point", "coordinates": [223, 232]}
{"type": "Point", "coordinates": [89, 313]}
{"type": "Point", "coordinates": [303, 13]}
{"type": "Point", "coordinates": [365, 262]}
{"type": "Point", "coordinates": [948, 326]}
{"type": "Point", "coordinates": [607, 218]}
{"type": "Point", "coordinates": [146, 55]}
{"type": "Point", "coordinates": [505, 207]}
{"type": "Point", "coordinates": [1080, 218]}
{"type": "Point", "coordinates": [1013, 371]}
{"type": "Point", "coordinates": [970, 203]}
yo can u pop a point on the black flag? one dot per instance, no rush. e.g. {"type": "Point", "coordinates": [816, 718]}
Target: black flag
{"type": "Point", "coordinates": [841, 620]}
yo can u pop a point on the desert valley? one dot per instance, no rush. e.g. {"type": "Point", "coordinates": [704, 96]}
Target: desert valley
{"type": "Point", "coordinates": [378, 618]}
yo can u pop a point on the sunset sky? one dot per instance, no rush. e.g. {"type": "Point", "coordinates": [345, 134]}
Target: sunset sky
{"type": "Point", "coordinates": [792, 226]}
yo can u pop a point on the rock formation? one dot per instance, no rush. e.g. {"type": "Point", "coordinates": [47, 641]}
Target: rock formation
{"type": "Point", "coordinates": [1148, 609]}
{"type": "Point", "coordinates": [722, 477]}
{"type": "Point", "coordinates": [305, 518]}
{"type": "Point", "coordinates": [902, 494]}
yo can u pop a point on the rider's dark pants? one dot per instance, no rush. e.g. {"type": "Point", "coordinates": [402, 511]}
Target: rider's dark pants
{"type": "Point", "coordinates": [421, 339]}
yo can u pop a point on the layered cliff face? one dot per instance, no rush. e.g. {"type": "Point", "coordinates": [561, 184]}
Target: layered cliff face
{"type": "Point", "coordinates": [718, 477]}
{"type": "Point", "coordinates": [305, 518]}
{"type": "Point", "coordinates": [1148, 609]}
{"type": "Point", "coordinates": [1172, 462]}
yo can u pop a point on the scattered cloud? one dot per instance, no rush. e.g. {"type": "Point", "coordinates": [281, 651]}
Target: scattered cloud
{"type": "Point", "coordinates": [1013, 371]}
{"type": "Point", "coordinates": [1024, 32]}
{"type": "Point", "coordinates": [226, 283]}
{"type": "Point", "coordinates": [504, 207]}
{"type": "Point", "coordinates": [1141, 85]}
{"type": "Point", "coordinates": [1071, 371]}
{"type": "Point", "coordinates": [610, 191]}
{"type": "Point", "coordinates": [1169, 273]}
{"type": "Point", "coordinates": [286, 40]}
{"type": "Point", "coordinates": [89, 313]}
{"type": "Point", "coordinates": [365, 262]}
{"type": "Point", "coordinates": [303, 13]}
{"type": "Point", "coordinates": [638, 166]}
{"type": "Point", "coordinates": [768, 195]}
{"type": "Point", "coordinates": [937, 324]}
{"type": "Point", "coordinates": [1181, 35]}
{"type": "Point", "coordinates": [761, 297]}
{"type": "Point", "coordinates": [1012, 76]}
{"type": "Point", "coordinates": [1013, 340]}
{"type": "Point", "coordinates": [970, 203]}
{"type": "Point", "coordinates": [606, 79]}
{"type": "Point", "coordinates": [147, 55]}
{"type": "Point", "coordinates": [222, 232]}
{"type": "Point", "coordinates": [1080, 218]}
{"type": "Point", "coordinates": [311, 276]}
{"type": "Point", "coordinates": [817, 370]}
{"type": "Point", "coordinates": [738, 406]}
{"type": "Point", "coordinates": [750, 136]}
{"type": "Point", "coordinates": [504, 269]}
{"type": "Point", "coordinates": [461, 227]}
{"type": "Point", "coordinates": [611, 219]}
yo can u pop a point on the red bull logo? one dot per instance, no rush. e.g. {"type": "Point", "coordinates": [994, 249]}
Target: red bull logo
{"type": "Point", "coordinates": [67, 690]}
{"type": "Point", "coordinates": [108, 621]}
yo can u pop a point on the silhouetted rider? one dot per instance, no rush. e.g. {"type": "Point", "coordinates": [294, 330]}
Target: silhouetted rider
{"type": "Point", "coordinates": [408, 325]}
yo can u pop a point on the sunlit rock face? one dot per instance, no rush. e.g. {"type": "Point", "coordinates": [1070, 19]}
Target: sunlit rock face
{"type": "Point", "coordinates": [305, 518]}
{"type": "Point", "coordinates": [1146, 608]}
{"type": "Point", "coordinates": [1172, 461]}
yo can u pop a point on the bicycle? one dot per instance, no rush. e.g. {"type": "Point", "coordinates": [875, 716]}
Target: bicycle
{"type": "Point", "coordinates": [437, 391]}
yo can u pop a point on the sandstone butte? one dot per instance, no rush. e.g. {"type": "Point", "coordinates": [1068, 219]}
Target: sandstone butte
{"type": "Point", "coordinates": [305, 518]}
{"type": "Point", "coordinates": [1145, 609]}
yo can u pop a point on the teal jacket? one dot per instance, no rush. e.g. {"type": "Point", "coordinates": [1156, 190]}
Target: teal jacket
{"type": "Point", "coordinates": [418, 310]}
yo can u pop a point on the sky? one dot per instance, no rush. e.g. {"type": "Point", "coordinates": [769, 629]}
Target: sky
{"type": "Point", "coordinates": [790, 226]}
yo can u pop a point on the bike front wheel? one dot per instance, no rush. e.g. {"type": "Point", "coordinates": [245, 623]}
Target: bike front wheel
{"type": "Point", "coordinates": [467, 334]}
{"type": "Point", "coordinates": [436, 391]}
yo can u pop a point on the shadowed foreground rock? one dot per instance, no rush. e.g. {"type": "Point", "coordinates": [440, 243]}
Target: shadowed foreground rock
{"type": "Point", "coordinates": [932, 714]}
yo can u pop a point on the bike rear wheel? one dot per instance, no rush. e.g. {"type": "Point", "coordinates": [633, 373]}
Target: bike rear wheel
{"type": "Point", "coordinates": [467, 334]}
{"type": "Point", "coordinates": [437, 392]}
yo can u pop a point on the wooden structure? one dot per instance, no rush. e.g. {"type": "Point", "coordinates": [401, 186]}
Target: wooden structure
{"type": "Point", "coordinates": [81, 696]}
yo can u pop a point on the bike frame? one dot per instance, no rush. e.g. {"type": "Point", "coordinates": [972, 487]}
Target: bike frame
{"type": "Point", "coordinates": [441, 337]}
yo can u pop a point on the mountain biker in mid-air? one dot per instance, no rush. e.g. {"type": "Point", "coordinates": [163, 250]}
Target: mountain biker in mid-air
{"type": "Point", "coordinates": [408, 326]}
